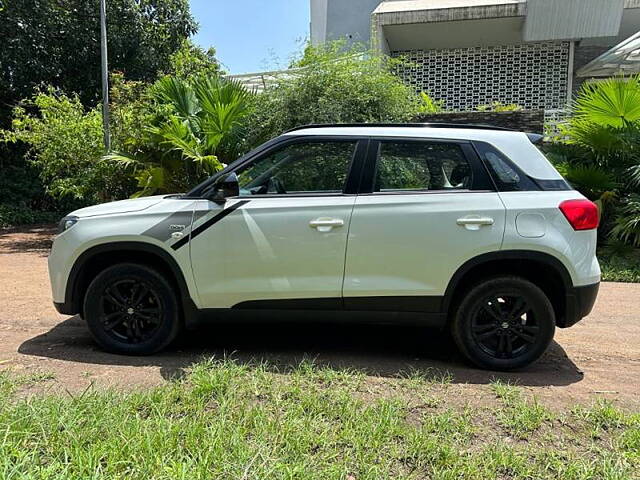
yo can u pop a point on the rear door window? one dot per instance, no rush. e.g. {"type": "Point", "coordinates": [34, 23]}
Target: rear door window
{"type": "Point", "coordinates": [421, 166]}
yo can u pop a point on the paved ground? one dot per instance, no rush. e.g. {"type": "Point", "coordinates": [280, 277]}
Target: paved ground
{"type": "Point", "coordinates": [599, 356]}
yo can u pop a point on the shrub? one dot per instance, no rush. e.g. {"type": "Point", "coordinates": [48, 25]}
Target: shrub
{"type": "Point", "coordinates": [429, 105]}
{"type": "Point", "coordinates": [171, 136]}
{"type": "Point", "coordinates": [333, 84]}
{"type": "Point", "coordinates": [499, 107]}
{"type": "Point", "coordinates": [65, 144]}
{"type": "Point", "coordinates": [11, 215]}
{"type": "Point", "coordinates": [602, 152]}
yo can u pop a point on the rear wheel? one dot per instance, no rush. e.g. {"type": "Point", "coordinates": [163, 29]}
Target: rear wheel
{"type": "Point", "coordinates": [131, 309]}
{"type": "Point", "coordinates": [504, 323]}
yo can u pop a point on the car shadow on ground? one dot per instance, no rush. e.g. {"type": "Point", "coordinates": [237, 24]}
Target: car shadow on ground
{"type": "Point", "coordinates": [384, 351]}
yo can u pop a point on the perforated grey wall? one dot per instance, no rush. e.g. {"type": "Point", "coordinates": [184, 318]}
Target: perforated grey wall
{"type": "Point", "coordinates": [533, 75]}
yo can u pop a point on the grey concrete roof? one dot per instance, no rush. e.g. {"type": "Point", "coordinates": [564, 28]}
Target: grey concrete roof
{"type": "Point", "coordinates": [393, 12]}
{"type": "Point", "coordinates": [406, 5]}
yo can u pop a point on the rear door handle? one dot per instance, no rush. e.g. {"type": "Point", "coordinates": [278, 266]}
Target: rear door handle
{"type": "Point", "coordinates": [324, 224]}
{"type": "Point", "coordinates": [474, 223]}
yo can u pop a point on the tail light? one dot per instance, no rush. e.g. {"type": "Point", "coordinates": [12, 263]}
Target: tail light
{"type": "Point", "coordinates": [582, 214]}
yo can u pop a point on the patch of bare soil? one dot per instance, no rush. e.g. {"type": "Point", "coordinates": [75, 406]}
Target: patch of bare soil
{"type": "Point", "coordinates": [600, 356]}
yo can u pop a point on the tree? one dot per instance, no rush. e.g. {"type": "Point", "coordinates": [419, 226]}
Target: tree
{"type": "Point", "coordinates": [332, 84]}
{"type": "Point", "coordinates": [190, 61]}
{"type": "Point", "coordinates": [186, 124]}
{"type": "Point", "coordinates": [603, 152]}
{"type": "Point", "coordinates": [57, 42]}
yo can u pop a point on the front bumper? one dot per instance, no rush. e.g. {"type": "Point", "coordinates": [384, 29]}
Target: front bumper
{"type": "Point", "coordinates": [579, 302]}
{"type": "Point", "coordinates": [66, 308]}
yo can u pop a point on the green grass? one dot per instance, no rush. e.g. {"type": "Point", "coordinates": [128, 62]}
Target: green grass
{"type": "Point", "coordinates": [517, 415]}
{"type": "Point", "coordinates": [620, 266]}
{"type": "Point", "coordinates": [226, 420]}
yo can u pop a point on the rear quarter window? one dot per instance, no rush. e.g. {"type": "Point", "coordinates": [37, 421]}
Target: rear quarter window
{"type": "Point", "coordinates": [508, 177]}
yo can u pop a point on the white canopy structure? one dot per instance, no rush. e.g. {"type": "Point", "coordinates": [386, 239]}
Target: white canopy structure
{"type": "Point", "coordinates": [623, 59]}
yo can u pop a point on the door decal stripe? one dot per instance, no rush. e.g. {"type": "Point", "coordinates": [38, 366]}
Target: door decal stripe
{"type": "Point", "coordinates": [212, 221]}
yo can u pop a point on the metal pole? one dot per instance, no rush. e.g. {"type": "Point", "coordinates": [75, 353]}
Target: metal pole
{"type": "Point", "coordinates": [105, 74]}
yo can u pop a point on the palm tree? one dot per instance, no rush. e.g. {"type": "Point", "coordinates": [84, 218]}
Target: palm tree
{"type": "Point", "coordinates": [606, 130]}
{"type": "Point", "coordinates": [200, 117]}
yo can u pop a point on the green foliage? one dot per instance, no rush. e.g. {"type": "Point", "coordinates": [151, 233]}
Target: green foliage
{"type": "Point", "coordinates": [601, 154]}
{"type": "Point", "coordinates": [614, 102]}
{"type": "Point", "coordinates": [57, 42]}
{"type": "Point", "coordinates": [191, 61]}
{"type": "Point", "coordinates": [333, 84]}
{"type": "Point", "coordinates": [499, 107]}
{"type": "Point", "coordinates": [23, 199]}
{"type": "Point", "coordinates": [627, 222]}
{"type": "Point", "coordinates": [605, 122]}
{"type": "Point", "coordinates": [62, 141]}
{"type": "Point", "coordinates": [11, 215]}
{"type": "Point", "coordinates": [65, 143]}
{"type": "Point", "coordinates": [429, 105]}
{"type": "Point", "coordinates": [19, 181]}
{"type": "Point", "coordinates": [186, 124]}
{"type": "Point", "coordinates": [619, 262]}
{"type": "Point", "coordinates": [591, 180]}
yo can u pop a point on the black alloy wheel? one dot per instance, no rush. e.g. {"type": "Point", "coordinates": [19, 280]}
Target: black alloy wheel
{"type": "Point", "coordinates": [503, 323]}
{"type": "Point", "coordinates": [132, 309]}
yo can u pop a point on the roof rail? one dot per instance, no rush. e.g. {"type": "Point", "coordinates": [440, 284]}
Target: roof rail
{"type": "Point", "coordinates": [416, 125]}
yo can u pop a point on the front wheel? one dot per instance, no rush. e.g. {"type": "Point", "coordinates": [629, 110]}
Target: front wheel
{"type": "Point", "coordinates": [131, 309]}
{"type": "Point", "coordinates": [504, 323]}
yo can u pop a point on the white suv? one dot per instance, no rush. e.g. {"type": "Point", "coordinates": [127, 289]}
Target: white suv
{"type": "Point", "coordinates": [465, 227]}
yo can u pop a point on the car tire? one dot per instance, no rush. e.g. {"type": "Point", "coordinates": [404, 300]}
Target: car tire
{"type": "Point", "coordinates": [132, 309]}
{"type": "Point", "coordinates": [503, 323]}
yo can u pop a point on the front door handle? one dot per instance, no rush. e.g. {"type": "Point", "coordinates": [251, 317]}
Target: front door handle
{"type": "Point", "coordinates": [324, 224]}
{"type": "Point", "coordinates": [474, 223]}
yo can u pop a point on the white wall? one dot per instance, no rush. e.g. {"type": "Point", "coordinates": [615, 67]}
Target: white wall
{"type": "Point", "coordinates": [318, 21]}
{"type": "Point", "coordinates": [337, 19]}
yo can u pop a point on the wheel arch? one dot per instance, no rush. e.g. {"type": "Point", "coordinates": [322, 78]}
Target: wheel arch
{"type": "Point", "coordinates": [95, 259]}
{"type": "Point", "coordinates": [542, 269]}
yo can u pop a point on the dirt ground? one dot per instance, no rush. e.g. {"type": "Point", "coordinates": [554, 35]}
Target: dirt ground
{"type": "Point", "coordinates": [600, 356]}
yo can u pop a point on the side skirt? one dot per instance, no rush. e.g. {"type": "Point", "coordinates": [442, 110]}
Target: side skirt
{"type": "Point", "coordinates": [229, 315]}
{"type": "Point", "coordinates": [425, 311]}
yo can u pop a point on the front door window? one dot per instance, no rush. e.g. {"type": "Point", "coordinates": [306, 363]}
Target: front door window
{"type": "Point", "coordinates": [300, 168]}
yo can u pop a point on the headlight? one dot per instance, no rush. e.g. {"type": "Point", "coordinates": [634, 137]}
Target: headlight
{"type": "Point", "coordinates": [66, 223]}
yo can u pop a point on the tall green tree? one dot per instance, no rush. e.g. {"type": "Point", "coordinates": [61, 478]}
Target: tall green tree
{"type": "Point", "coordinates": [57, 43]}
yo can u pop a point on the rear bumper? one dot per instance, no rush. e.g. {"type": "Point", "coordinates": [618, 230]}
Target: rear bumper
{"type": "Point", "coordinates": [579, 303]}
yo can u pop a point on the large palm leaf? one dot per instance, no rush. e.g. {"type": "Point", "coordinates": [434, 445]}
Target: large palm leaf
{"type": "Point", "coordinates": [177, 93]}
{"type": "Point", "coordinates": [599, 139]}
{"type": "Point", "coordinates": [224, 104]}
{"type": "Point", "coordinates": [614, 102]}
{"type": "Point", "coordinates": [175, 135]}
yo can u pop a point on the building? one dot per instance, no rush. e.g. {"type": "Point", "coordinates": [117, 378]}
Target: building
{"type": "Point", "coordinates": [474, 52]}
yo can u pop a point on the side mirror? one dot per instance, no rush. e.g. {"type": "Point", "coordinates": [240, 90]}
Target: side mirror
{"type": "Point", "coordinates": [225, 187]}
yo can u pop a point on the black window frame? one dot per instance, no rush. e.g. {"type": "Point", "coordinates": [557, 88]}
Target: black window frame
{"type": "Point", "coordinates": [481, 181]}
